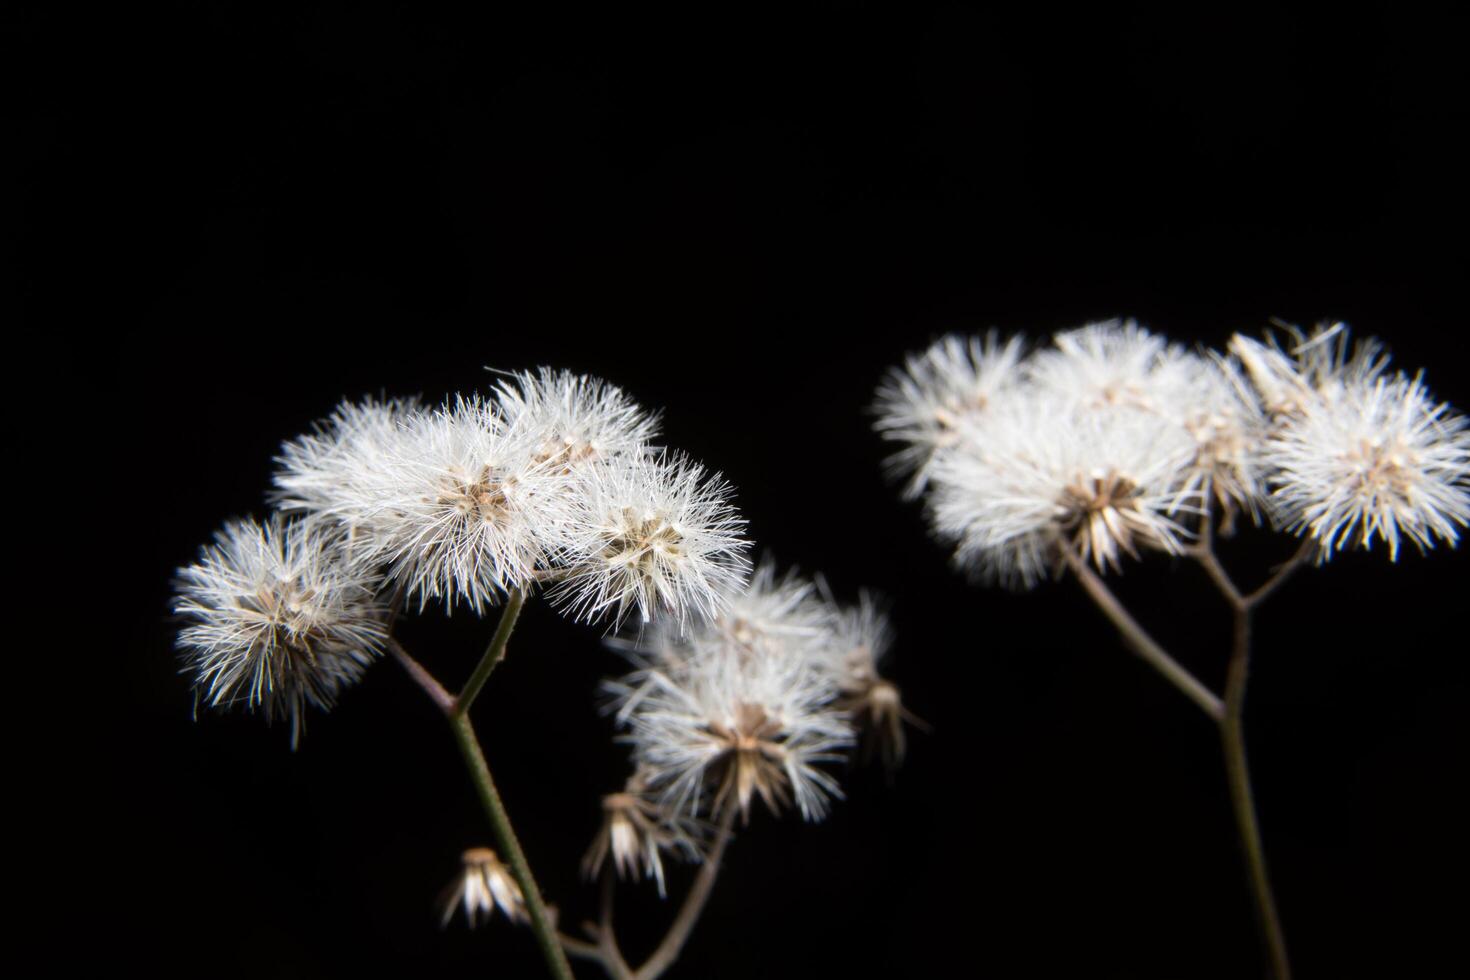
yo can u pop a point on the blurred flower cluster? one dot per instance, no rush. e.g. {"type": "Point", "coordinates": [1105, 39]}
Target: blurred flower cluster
{"type": "Point", "coordinates": [1112, 441]}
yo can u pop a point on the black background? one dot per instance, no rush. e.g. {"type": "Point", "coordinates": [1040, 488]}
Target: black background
{"type": "Point", "coordinates": [743, 219]}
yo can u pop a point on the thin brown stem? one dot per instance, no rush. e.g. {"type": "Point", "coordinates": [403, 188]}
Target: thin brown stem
{"type": "Point", "coordinates": [421, 677]}
{"type": "Point", "coordinates": [1242, 799]}
{"type": "Point", "coordinates": [1204, 553]}
{"type": "Point", "coordinates": [673, 942]}
{"type": "Point", "coordinates": [1296, 561]}
{"type": "Point", "coordinates": [1137, 637]}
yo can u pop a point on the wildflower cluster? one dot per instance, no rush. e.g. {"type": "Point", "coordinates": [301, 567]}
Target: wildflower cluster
{"type": "Point", "coordinates": [742, 687]}
{"type": "Point", "coordinates": [1113, 441]}
{"type": "Point", "coordinates": [753, 704]}
{"type": "Point", "coordinates": [553, 479]}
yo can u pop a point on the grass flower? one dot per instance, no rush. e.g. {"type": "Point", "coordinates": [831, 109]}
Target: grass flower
{"type": "Point", "coordinates": [277, 620]}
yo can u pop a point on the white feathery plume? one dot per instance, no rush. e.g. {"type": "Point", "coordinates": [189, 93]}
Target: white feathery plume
{"type": "Point", "coordinates": [1226, 422]}
{"type": "Point", "coordinates": [1110, 480]}
{"type": "Point", "coordinates": [1121, 365]}
{"type": "Point", "coordinates": [278, 620]}
{"type": "Point", "coordinates": [773, 615]}
{"type": "Point", "coordinates": [770, 616]}
{"type": "Point", "coordinates": [340, 471]}
{"type": "Point", "coordinates": [651, 534]}
{"type": "Point", "coordinates": [1378, 458]}
{"type": "Point", "coordinates": [856, 642]}
{"type": "Point", "coordinates": [1113, 364]}
{"type": "Point", "coordinates": [923, 403]}
{"type": "Point", "coordinates": [1316, 365]}
{"type": "Point", "coordinates": [728, 728]}
{"type": "Point", "coordinates": [573, 418]}
{"type": "Point", "coordinates": [468, 508]}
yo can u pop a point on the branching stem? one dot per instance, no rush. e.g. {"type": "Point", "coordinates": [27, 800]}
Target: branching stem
{"type": "Point", "coordinates": [1137, 637]}
{"type": "Point", "coordinates": [479, 770]}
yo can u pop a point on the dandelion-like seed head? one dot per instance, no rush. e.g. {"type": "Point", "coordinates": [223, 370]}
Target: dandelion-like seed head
{"type": "Point", "coordinates": [728, 729]}
{"type": "Point", "coordinates": [1312, 366]}
{"type": "Point", "coordinates": [651, 534]}
{"type": "Point", "coordinates": [277, 619]}
{"type": "Point", "coordinates": [1112, 364]}
{"type": "Point", "coordinates": [1227, 425]}
{"type": "Point", "coordinates": [338, 473]}
{"type": "Point", "coordinates": [855, 644]}
{"type": "Point", "coordinates": [636, 831]}
{"type": "Point", "coordinates": [773, 615]}
{"type": "Point", "coordinates": [1107, 481]}
{"type": "Point", "coordinates": [483, 885]}
{"type": "Point", "coordinates": [1379, 459]}
{"type": "Point", "coordinates": [470, 511]}
{"type": "Point", "coordinates": [923, 404]}
{"type": "Point", "coordinates": [573, 418]}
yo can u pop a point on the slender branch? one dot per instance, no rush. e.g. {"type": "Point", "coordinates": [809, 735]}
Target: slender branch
{"type": "Point", "coordinates": [580, 948]}
{"type": "Point", "coordinates": [479, 771]}
{"type": "Point", "coordinates": [494, 653]}
{"type": "Point", "coordinates": [1204, 553]}
{"type": "Point", "coordinates": [1138, 639]}
{"type": "Point", "coordinates": [607, 937]}
{"type": "Point", "coordinates": [673, 942]}
{"type": "Point", "coordinates": [505, 837]}
{"type": "Point", "coordinates": [422, 677]}
{"type": "Point", "coordinates": [1302, 556]}
{"type": "Point", "coordinates": [1232, 736]}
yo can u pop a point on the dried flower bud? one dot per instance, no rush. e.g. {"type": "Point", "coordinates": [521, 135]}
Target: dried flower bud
{"type": "Point", "coordinates": [484, 884]}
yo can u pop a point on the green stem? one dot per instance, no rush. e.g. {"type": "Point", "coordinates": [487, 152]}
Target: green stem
{"type": "Point", "coordinates": [1242, 799]}
{"type": "Point", "coordinates": [494, 653]}
{"type": "Point", "coordinates": [505, 838]}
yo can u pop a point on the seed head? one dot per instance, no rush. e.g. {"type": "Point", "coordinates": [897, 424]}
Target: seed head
{"type": "Point", "coordinates": [278, 619]}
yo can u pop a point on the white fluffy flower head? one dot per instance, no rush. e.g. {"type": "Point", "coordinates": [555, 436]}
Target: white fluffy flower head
{"type": "Point", "coordinates": [1106, 481]}
{"type": "Point", "coordinates": [469, 510]}
{"type": "Point", "coordinates": [1113, 364]}
{"type": "Point", "coordinates": [727, 729]}
{"type": "Point", "coordinates": [651, 534]}
{"type": "Point", "coordinates": [573, 418]}
{"type": "Point", "coordinates": [339, 473]}
{"type": "Point", "coordinates": [923, 403]}
{"type": "Point", "coordinates": [277, 620]}
{"type": "Point", "coordinates": [1378, 460]}
{"type": "Point", "coordinates": [773, 615]}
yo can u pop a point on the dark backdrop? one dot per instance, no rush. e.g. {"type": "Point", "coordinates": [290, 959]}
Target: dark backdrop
{"type": "Point", "coordinates": [743, 220]}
